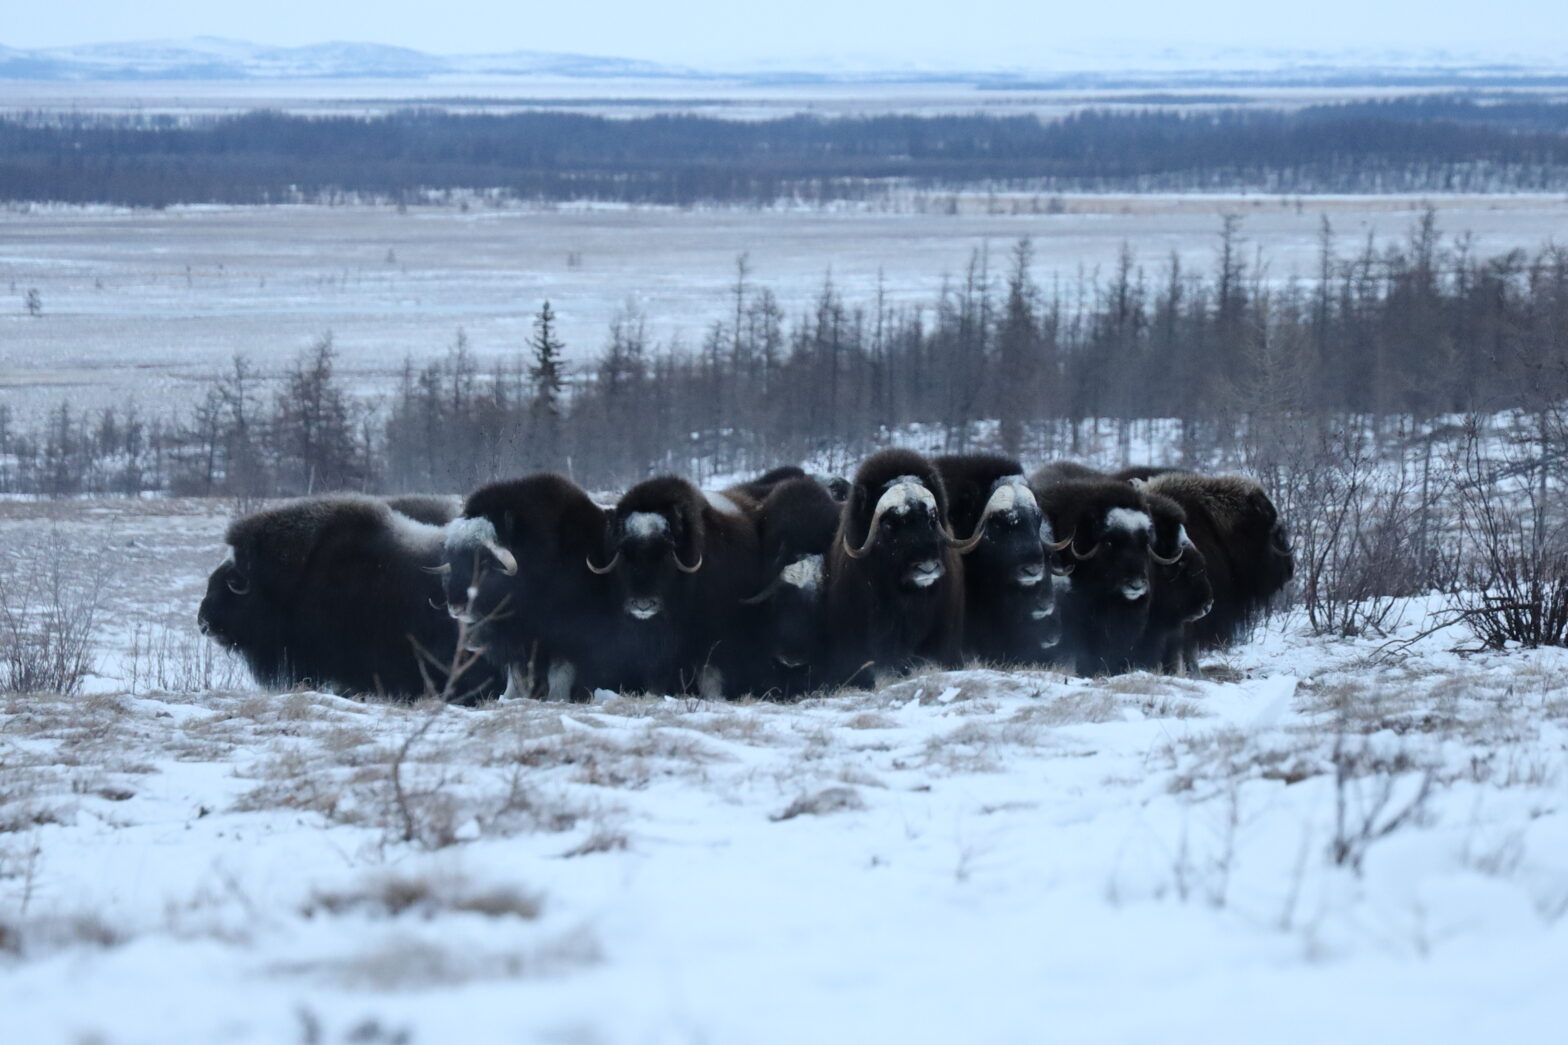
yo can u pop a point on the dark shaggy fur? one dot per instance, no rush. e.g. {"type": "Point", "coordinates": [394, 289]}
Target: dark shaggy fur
{"type": "Point", "coordinates": [681, 570]}
{"type": "Point", "coordinates": [331, 591]}
{"type": "Point", "coordinates": [1105, 606]}
{"type": "Point", "coordinates": [1245, 546]}
{"type": "Point", "coordinates": [1009, 594]}
{"type": "Point", "coordinates": [795, 528]}
{"type": "Point", "coordinates": [903, 601]}
{"type": "Point", "coordinates": [756, 490]}
{"type": "Point", "coordinates": [547, 622]}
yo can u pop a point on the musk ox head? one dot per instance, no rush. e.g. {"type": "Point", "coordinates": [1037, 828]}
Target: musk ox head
{"type": "Point", "coordinates": [476, 565]}
{"type": "Point", "coordinates": [654, 545]}
{"type": "Point", "coordinates": [796, 525]}
{"type": "Point", "coordinates": [1106, 533]}
{"type": "Point", "coordinates": [896, 518]}
{"type": "Point", "coordinates": [1182, 592]}
{"type": "Point", "coordinates": [233, 611]}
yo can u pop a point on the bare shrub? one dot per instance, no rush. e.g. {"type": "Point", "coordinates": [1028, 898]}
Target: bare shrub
{"type": "Point", "coordinates": [1357, 550]}
{"type": "Point", "coordinates": [166, 659]}
{"type": "Point", "coordinates": [1369, 782]}
{"type": "Point", "coordinates": [50, 599]}
{"type": "Point", "coordinates": [1513, 516]}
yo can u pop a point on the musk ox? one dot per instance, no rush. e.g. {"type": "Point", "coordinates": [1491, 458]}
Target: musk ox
{"type": "Point", "coordinates": [893, 589]}
{"type": "Point", "coordinates": [333, 591]}
{"type": "Point", "coordinates": [1009, 594]}
{"type": "Point", "coordinates": [1181, 593]}
{"type": "Point", "coordinates": [1245, 546]}
{"type": "Point", "coordinates": [681, 563]}
{"type": "Point", "coordinates": [513, 573]}
{"type": "Point", "coordinates": [1106, 534]}
{"type": "Point", "coordinates": [796, 525]}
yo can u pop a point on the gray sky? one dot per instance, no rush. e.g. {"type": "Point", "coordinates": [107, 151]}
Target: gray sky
{"type": "Point", "coordinates": [954, 33]}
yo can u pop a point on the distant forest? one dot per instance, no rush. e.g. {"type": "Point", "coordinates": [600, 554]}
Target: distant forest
{"type": "Point", "coordinates": [1434, 144]}
{"type": "Point", "coordinates": [1394, 338]}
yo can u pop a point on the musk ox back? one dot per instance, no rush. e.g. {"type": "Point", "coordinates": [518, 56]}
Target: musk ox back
{"type": "Point", "coordinates": [1105, 534]}
{"type": "Point", "coordinates": [334, 592]}
{"type": "Point", "coordinates": [515, 571]}
{"type": "Point", "coordinates": [1009, 594]}
{"type": "Point", "coordinates": [681, 564]}
{"type": "Point", "coordinates": [894, 581]}
{"type": "Point", "coordinates": [431, 509]}
{"type": "Point", "coordinates": [1244, 544]}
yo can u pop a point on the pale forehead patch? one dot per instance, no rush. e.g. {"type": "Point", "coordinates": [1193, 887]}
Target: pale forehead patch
{"type": "Point", "coordinates": [805, 574]}
{"type": "Point", "coordinates": [1010, 494]}
{"type": "Point", "coordinates": [1182, 539]}
{"type": "Point", "coordinates": [470, 533]}
{"type": "Point", "coordinates": [646, 524]}
{"type": "Point", "coordinates": [720, 503]}
{"type": "Point", "coordinates": [1127, 519]}
{"type": "Point", "coordinates": [904, 492]}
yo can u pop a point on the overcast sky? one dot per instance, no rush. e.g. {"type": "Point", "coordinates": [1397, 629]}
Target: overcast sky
{"type": "Point", "coordinates": [959, 33]}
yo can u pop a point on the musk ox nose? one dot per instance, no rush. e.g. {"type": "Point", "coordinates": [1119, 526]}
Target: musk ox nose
{"type": "Point", "coordinates": [1135, 589]}
{"type": "Point", "coordinates": [203, 625]}
{"type": "Point", "coordinates": [643, 608]}
{"type": "Point", "coordinates": [1203, 611]}
{"type": "Point", "coordinates": [1031, 574]}
{"type": "Point", "coordinates": [925, 573]}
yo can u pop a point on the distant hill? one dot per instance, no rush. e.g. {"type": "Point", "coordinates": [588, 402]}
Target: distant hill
{"type": "Point", "coordinates": [212, 58]}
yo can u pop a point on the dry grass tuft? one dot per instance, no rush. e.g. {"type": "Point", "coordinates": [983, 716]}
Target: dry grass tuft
{"type": "Point", "coordinates": [828, 800]}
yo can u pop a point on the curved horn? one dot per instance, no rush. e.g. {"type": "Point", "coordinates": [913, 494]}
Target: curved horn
{"type": "Point", "coordinates": [439, 571]}
{"type": "Point", "coordinates": [436, 605]}
{"type": "Point", "coordinates": [505, 558]}
{"type": "Point", "coordinates": [1061, 545]}
{"type": "Point", "coordinates": [682, 566]}
{"type": "Point", "coordinates": [238, 590]}
{"type": "Point", "coordinates": [1162, 560]}
{"type": "Point", "coordinates": [966, 546]}
{"type": "Point", "coordinates": [849, 549]}
{"type": "Point", "coordinates": [602, 570]}
{"type": "Point", "coordinates": [767, 591]}
{"type": "Point", "coordinates": [1081, 556]}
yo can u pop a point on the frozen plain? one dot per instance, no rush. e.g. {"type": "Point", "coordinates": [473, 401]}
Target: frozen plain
{"type": "Point", "coordinates": [145, 307]}
{"type": "Point", "coordinates": [969, 856]}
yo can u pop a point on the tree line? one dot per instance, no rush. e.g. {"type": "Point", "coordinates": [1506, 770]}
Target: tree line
{"type": "Point", "coordinates": [1419, 329]}
{"type": "Point", "coordinates": [1398, 145]}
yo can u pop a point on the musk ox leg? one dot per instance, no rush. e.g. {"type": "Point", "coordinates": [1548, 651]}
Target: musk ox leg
{"type": "Point", "coordinates": [562, 677]}
{"type": "Point", "coordinates": [516, 683]}
{"type": "Point", "coordinates": [710, 683]}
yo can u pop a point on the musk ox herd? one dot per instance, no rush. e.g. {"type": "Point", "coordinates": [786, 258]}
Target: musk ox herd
{"type": "Point", "coordinates": [772, 588]}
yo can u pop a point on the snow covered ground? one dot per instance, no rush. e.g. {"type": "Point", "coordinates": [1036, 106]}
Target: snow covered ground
{"type": "Point", "coordinates": [1325, 839]}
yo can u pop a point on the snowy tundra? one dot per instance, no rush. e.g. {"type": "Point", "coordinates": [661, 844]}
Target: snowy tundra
{"type": "Point", "coordinates": [1357, 840]}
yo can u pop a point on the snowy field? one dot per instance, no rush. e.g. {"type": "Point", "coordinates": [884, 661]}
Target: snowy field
{"type": "Point", "coordinates": [145, 306]}
{"type": "Point", "coordinates": [1324, 840]}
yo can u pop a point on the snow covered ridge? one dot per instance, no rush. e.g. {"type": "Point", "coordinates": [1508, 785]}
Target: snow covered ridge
{"type": "Point", "coordinates": [958, 856]}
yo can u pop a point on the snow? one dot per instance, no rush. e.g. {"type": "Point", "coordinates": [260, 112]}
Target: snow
{"type": "Point", "coordinates": [978, 856]}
